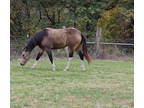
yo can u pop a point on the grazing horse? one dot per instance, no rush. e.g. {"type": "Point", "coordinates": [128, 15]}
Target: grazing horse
{"type": "Point", "coordinates": [49, 38]}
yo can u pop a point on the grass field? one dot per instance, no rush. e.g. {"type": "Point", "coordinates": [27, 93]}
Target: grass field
{"type": "Point", "coordinates": [105, 84]}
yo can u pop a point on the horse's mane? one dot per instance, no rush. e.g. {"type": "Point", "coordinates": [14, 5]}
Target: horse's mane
{"type": "Point", "coordinates": [35, 39]}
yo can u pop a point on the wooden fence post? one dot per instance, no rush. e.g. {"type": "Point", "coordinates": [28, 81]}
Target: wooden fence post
{"type": "Point", "coordinates": [97, 40]}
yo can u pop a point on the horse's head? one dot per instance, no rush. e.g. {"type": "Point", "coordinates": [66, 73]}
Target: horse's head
{"type": "Point", "coordinates": [24, 56]}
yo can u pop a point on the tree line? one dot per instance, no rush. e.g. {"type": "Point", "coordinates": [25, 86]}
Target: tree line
{"type": "Point", "coordinates": [115, 17]}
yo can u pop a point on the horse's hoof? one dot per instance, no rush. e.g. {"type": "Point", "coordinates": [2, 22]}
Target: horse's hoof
{"type": "Point", "coordinates": [65, 70]}
{"type": "Point", "coordinates": [83, 69]}
{"type": "Point", "coordinates": [33, 67]}
{"type": "Point", "coordinates": [54, 70]}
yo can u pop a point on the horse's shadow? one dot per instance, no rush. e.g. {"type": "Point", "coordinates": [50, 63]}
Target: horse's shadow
{"type": "Point", "coordinates": [37, 69]}
{"type": "Point", "coordinates": [48, 69]}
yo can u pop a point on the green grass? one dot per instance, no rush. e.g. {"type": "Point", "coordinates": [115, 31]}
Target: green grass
{"type": "Point", "coordinates": [105, 84]}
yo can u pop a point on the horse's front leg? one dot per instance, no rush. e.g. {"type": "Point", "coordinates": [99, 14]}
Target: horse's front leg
{"type": "Point", "coordinates": [49, 52]}
{"type": "Point", "coordinates": [37, 58]}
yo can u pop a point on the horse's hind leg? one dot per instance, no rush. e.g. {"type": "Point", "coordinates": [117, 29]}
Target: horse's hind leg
{"type": "Point", "coordinates": [66, 51]}
{"type": "Point", "coordinates": [37, 58]}
{"type": "Point", "coordinates": [82, 58]}
{"type": "Point", "coordinates": [69, 60]}
{"type": "Point", "coordinates": [49, 52]}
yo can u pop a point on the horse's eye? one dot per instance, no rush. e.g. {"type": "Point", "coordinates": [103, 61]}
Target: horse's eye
{"type": "Point", "coordinates": [23, 55]}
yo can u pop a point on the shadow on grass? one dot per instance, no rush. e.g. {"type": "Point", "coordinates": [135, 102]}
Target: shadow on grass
{"type": "Point", "coordinates": [37, 69]}
{"type": "Point", "coordinates": [26, 68]}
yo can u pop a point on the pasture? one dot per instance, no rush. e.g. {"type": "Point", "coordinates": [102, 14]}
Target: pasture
{"type": "Point", "coordinates": [105, 84]}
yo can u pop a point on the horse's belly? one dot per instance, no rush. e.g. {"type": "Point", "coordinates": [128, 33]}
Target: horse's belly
{"type": "Point", "coordinates": [59, 44]}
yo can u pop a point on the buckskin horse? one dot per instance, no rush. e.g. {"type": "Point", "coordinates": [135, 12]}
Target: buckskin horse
{"type": "Point", "coordinates": [49, 38]}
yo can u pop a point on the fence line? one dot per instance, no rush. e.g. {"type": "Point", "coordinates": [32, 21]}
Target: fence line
{"type": "Point", "coordinates": [111, 43]}
{"type": "Point", "coordinates": [104, 43]}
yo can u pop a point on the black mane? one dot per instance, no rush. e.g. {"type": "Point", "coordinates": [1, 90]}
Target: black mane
{"type": "Point", "coordinates": [35, 40]}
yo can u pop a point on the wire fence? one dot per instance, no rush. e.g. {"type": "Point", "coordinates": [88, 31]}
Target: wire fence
{"type": "Point", "coordinates": [110, 50]}
{"type": "Point", "coordinates": [111, 43]}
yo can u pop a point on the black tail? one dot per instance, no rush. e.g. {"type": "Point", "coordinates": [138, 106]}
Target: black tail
{"type": "Point", "coordinates": [84, 48]}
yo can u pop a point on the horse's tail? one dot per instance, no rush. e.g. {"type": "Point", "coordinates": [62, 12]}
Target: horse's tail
{"type": "Point", "coordinates": [84, 49]}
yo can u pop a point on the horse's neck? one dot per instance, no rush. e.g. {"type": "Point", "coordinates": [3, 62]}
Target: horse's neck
{"type": "Point", "coordinates": [32, 44]}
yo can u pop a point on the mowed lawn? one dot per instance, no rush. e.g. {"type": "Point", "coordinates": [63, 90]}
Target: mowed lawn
{"type": "Point", "coordinates": [105, 84]}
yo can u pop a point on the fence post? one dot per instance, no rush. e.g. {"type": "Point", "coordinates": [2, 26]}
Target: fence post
{"type": "Point", "coordinates": [97, 40]}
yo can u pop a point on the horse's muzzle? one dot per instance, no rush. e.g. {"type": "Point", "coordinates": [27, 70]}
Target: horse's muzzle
{"type": "Point", "coordinates": [21, 64]}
